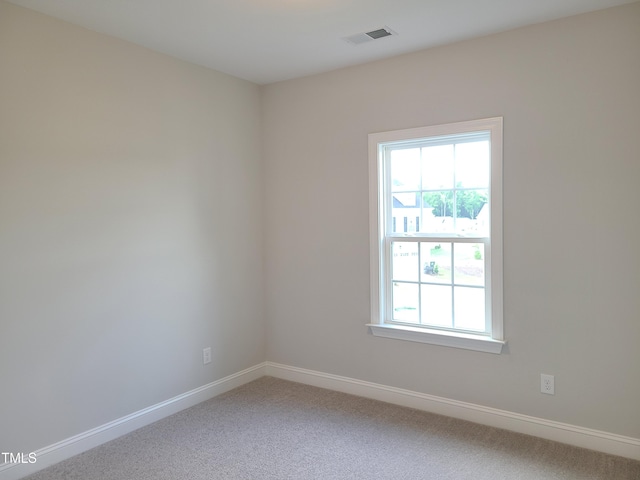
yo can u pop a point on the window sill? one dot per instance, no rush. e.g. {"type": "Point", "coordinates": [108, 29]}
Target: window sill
{"type": "Point", "coordinates": [437, 337]}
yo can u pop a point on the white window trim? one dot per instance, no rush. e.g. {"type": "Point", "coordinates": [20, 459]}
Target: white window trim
{"type": "Point", "coordinates": [494, 282]}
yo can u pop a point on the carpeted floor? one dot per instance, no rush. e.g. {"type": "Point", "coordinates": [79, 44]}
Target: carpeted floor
{"type": "Point", "coordinates": [274, 429]}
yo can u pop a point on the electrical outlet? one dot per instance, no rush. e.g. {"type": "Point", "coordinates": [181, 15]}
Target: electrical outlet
{"type": "Point", "coordinates": [547, 384]}
{"type": "Point", "coordinates": [206, 355]}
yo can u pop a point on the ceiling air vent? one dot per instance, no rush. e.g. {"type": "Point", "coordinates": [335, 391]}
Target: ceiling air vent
{"type": "Point", "coordinates": [359, 38]}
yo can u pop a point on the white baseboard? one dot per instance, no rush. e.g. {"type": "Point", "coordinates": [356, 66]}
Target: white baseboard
{"type": "Point", "coordinates": [560, 432]}
{"type": "Point", "coordinates": [92, 438]}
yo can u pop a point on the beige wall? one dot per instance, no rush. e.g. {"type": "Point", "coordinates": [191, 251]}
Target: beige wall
{"type": "Point", "coordinates": [130, 228]}
{"type": "Point", "coordinates": [569, 92]}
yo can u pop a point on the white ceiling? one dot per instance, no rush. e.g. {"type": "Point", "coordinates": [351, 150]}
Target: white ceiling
{"type": "Point", "coordinates": [265, 41]}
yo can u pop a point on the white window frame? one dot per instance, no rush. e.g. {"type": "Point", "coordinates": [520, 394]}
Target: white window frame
{"type": "Point", "coordinates": [380, 296]}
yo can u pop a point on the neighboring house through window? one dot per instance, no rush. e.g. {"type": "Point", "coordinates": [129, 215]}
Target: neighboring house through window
{"type": "Point", "coordinates": [436, 234]}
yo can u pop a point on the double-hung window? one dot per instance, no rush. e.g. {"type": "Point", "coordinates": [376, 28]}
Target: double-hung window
{"type": "Point", "coordinates": [436, 234]}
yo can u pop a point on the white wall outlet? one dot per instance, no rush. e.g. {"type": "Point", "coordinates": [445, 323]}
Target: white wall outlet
{"type": "Point", "coordinates": [206, 355]}
{"type": "Point", "coordinates": [547, 384]}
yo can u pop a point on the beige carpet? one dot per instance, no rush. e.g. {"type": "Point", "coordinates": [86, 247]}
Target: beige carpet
{"type": "Point", "coordinates": [274, 429]}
